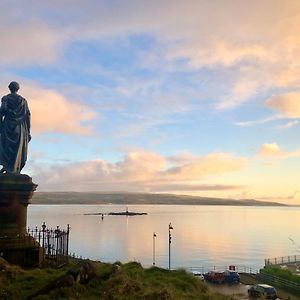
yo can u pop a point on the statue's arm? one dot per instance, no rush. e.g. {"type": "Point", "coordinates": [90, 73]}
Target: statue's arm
{"type": "Point", "coordinates": [3, 108]}
{"type": "Point", "coordinates": [28, 121]}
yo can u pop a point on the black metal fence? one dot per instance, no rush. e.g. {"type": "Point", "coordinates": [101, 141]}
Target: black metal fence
{"type": "Point", "coordinates": [237, 268]}
{"type": "Point", "coordinates": [282, 260]}
{"type": "Point", "coordinates": [55, 243]}
{"type": "Point", "coordinates": [280, 282]}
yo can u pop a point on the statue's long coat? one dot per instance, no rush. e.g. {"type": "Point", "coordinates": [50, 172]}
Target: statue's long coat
{"type": "Point", "coordinates": [15, 132]}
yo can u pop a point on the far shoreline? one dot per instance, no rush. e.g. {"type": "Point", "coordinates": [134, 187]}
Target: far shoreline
{"type": "Point", "coordinates": [124, 198]}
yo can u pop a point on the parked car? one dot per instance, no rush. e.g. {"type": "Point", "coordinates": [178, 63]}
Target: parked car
{"type": "Point", "coordinates": [198, 275]}
{"type": "Point", "coordinates": [222, 277]}
{"type": "Point", "coordinates": [215, 277]}
{"type": "Point", "coordinates": [262, 290]}
{"type": "Point", "coordinates": [231, 276]}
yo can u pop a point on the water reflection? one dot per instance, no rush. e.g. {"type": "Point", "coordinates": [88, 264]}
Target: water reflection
{"type": "Point", "coordinates": [202, 235]}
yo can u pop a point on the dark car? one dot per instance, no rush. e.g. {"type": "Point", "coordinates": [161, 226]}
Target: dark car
{"type": "Point", "coordinates": [222, 277]}
{"type": "Point", "coordinates": [262, 290]}
{"type": "Point", "coordinates": [231, 276]}
{"type": "Point", "coordinates": [215, 277]}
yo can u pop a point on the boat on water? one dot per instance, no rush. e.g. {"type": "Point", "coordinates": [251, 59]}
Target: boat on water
{"type": "Point", "coordinates": [127, 213]}
{"type": "Point", "coordinates": [122, 213]}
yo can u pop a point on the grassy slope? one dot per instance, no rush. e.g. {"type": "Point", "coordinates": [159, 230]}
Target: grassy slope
{"type": "Point", "coordinates": [130, 282]}
{"type": "Point", "coordinates": [281, 273]}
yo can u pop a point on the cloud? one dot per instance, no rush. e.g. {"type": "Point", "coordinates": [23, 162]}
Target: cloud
{"type": "Point", "coordinates": [213, 163]}
{"type": "Point", "coordinates": [288, 104]}
{"type": "Point", "coordinates": [196, 187]}
{"type": "Point", "coordinates": [216, 52]}
{"type": "Point", "coordinates": [140, 171]}
{"type": "Point", "coordinates": [289, 124]}
{"type": "Point", "coordinates": [272, 152]}
{"type": "Point", "coordinates": [241, 92]}
{"type": "Point", "coordinates": [52, 112]}
{"type": "Point", "coordinates": [234, 35]}
{"type": "Point", "coordinates": [290, 198]}
{"type": "Point", "coordinates": [258, 122]}
{"type": "Point", "coordinates": [31, 42]}
{"type": "Point", "coordinates": [261, 48]}
{"type": "Point", "coordinates": [288, 107]}
{"type": "Point", "coordinates": [269, 150]}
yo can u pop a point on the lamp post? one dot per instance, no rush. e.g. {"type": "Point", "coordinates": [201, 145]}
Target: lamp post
{"type": "Point", "coordinates": [154, 236]}
{"type": "Point", "coordinates": [170, 237]}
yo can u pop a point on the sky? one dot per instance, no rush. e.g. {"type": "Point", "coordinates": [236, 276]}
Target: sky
{"type": "Point", "coordinates": [187, 97]}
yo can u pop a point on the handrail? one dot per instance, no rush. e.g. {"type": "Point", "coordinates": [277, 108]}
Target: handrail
{"type": "Point", "coordinates": [282, 260]}
{"type": "Point", "coordinates": [278, 281]}
{"type": "Point", "coordinates": [238, 268]}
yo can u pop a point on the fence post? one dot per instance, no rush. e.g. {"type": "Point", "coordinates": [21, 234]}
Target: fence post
{"type": "Point", "coordinates": [43, 229]}
{"type": "Point", "coordinates": [55, 242]}
{"type": "Point", "coordinates": [68, 233]}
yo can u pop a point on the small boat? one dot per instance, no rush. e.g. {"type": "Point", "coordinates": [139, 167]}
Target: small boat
{"type": "Point", "coordinates": [127, 213]}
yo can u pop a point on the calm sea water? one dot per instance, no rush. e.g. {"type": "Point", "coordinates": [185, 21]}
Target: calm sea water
{"type": "Point", "coordinates": [203, 236]}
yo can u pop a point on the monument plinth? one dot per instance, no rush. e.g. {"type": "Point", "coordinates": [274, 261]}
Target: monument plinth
{"type": "Point", "coordinates": [16, 191]}
{"type": "Point", "coordinates": [16, 245]}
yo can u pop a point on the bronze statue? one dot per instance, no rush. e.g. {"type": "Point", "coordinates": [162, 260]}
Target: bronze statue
{"type": "Point", "coordinates": [15, 131]}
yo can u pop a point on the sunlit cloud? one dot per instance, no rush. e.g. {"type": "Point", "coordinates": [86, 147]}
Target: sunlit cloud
{"type": "Point", "coordinates": [288, 104]}
{"type": "Point", "coordinates": [272, 151]}
{"type": "Point", "coordinates": [29, 42]}
{"type": "Point", "coordinates": [265, 49]}
{"type": "Point", "coordinates": [52, 112]}
{"type": "Point", "coordinates": [258, 122]}
{"type": "Point", "coordinates": [292, 198]}
{"type": "Point", "coordinates": [140, 171]}
{"type": "Point", "coordinates": [191, 187]}
{"type": "Point", "coordinates": [289, 124]}
{"type": "Point", "coordinates": [217, 52]}
{"type": "Point", "coordinates": [156, 70]}
{"type": "Point", "coordinates": [213, 163]}
{"type": "Point", "coordinates": [242, 91]}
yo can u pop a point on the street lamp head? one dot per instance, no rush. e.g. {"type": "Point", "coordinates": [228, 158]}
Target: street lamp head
{"type": "Point", "coordinates": [154, 234]}
{"type": "Point", "coordinates": [170, 227]}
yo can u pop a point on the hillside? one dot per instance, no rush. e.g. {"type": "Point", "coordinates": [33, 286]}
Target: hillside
{"type": "Point", "coordinates": [95, 280]}
{"type": "Point", "coordinates": [139, 198]}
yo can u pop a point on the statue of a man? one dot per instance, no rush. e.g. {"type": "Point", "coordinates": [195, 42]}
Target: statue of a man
{"type": "Point", "coordinates": [15, 131]}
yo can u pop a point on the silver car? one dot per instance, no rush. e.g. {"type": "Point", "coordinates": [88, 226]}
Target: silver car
{"type": "Point", "coordinates": [262, 290]}
{"type": "Point", "coordinates": [198, 275]}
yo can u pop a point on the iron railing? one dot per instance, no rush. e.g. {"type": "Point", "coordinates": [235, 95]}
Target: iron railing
{"type": "Point", "coordinates": [282, 260]}
{"type": "Point", "coordinates": [55, 242]}
{"type": "Point", "coordinates": [238, 268]}
{"type": "Point", "coordinates": [279, 282]}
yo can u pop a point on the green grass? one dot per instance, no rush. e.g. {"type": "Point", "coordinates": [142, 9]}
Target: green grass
{"type": "Point", "coordinates": [282, 273]}
{"type": "Point", "coordinates": [131, 281]}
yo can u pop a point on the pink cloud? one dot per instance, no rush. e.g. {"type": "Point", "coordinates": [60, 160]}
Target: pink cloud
{"type": "Point", "coordinates": [273, 153]}
{"type": "Point", "coordinates": [52, 112]}
{"type": "Point", "coordinates": [139, 171]}
{"type": "Point", "coordinates": [288, 104]}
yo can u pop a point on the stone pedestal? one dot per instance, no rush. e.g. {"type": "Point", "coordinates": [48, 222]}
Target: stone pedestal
{"type": "Point", "coordinates": [16, 245]}
{"type": "Point", "coordinates": [16, 191]}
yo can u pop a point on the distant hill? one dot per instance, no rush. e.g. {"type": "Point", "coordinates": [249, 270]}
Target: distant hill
{"type": "Point", "coordinates": [139, 198]}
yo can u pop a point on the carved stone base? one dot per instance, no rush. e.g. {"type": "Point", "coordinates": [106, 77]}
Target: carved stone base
{"type": "Point", "coordinates": [22, 251]}
{"type": "Point", "coordinates": [16, 246]}
{"type": "Point", "coordinates": [16, 191]}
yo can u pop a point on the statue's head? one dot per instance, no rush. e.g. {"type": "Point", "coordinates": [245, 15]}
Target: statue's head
{"type": "Point", "coordinates": [14, 86]}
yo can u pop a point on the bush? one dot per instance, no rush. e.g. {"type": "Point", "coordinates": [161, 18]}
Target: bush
{"type": "Point", "coordinates": [281, 273]}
